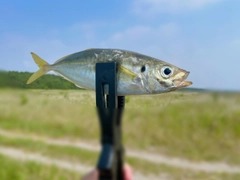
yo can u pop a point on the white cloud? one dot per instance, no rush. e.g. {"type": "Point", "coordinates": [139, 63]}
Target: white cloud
{"type": "Point", "coordinates": [51, 46]}
{"type": "Point", "coordinates": [140, 32]}
{"type": "Point", "coordinates": [153, 7]}
{"type": "Point", "coordinates": [167, 41]}
{"type": "Point", "coordinates": [163, 41]}
{"type": "Point", "coordinates": [16, 51]}
{"type": "Point", "coordinates": [85, 31]}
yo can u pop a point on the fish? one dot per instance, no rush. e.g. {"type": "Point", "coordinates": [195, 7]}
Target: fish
{"type": "Point", "coordinates": [137, 74]}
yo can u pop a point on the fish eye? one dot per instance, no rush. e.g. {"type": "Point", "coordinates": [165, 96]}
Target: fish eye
{"type": "Point", "coordinates": [143, 69]}
{"type": "Point", "coordinates": [166, 71]}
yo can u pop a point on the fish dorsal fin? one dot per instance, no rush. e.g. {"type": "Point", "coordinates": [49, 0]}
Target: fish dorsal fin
{"type": "Point", "coordinates": [64, 57]}
{"type": "Point", "coordinates": [89, 49]}
{"type": "Point", "coordinates": [127, 72]}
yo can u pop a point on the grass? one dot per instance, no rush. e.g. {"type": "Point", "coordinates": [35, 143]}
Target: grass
{"type": "Point", "coordinates": [19, 170]}
{"type": "Point", "coordinates": [30, 170]}
{"type": "Point", "coordinates": [72, 154]}
{"type": "Point", "coordinates": [194, 126]}
{"type": "Point", "coordinates": [49, 114]}
{"type": "Point", "coordinates": [187, 125]}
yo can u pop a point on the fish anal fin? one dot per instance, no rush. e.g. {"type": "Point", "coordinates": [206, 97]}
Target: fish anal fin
{"type": "Point", "coordinates": [79, 86]}
{"type": "Point", "coordinates": [69, 80]}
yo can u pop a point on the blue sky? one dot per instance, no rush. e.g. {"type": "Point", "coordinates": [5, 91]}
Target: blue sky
{"type": "Point", "coordinates": [202, 36]}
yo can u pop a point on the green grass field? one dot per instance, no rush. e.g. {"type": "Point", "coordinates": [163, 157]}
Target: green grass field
{"type": "Point", "coordinates": [193, 126]}
{"type": "Point", "coordinates": [19, 170]}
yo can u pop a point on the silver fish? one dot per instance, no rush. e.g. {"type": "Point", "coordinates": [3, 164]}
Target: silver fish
{"type": "Point", "coordinates": [137, 73]}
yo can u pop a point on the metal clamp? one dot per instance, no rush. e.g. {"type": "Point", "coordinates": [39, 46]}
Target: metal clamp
{"type": "Point", "coordinates": [110, 109]}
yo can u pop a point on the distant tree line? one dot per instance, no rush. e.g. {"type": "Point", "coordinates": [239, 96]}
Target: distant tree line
{"type": "Point", "coordinates": [14, 79]}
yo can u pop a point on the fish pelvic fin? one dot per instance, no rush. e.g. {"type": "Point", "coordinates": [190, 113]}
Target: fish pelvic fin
{"type": "Point", "coordinates": [43, 68]}
{"type": "Point", "coordinates": [127, 72]}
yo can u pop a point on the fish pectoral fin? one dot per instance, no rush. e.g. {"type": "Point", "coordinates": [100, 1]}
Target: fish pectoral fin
{"type": "Point", "coordinates": [127, 72]}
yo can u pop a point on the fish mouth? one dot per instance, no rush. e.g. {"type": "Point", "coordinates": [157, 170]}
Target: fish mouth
{"type": "Point", "coordinates": [181, 83]}
{"type": "Point", "coordinates": [185, 84]}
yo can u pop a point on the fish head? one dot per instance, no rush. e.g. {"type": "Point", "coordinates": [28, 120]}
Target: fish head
{"type": "Point", "coordinates": [169, 77]}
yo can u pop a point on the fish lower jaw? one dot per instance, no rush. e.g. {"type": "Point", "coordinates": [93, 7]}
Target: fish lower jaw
{"type": "Point", "coordinates": [184, 84]}
{"type": "Point", "coordinates": [181, 84]}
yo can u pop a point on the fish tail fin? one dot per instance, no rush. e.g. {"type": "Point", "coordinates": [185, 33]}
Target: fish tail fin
{"type": "Point", "coordinates": [43, 68]}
